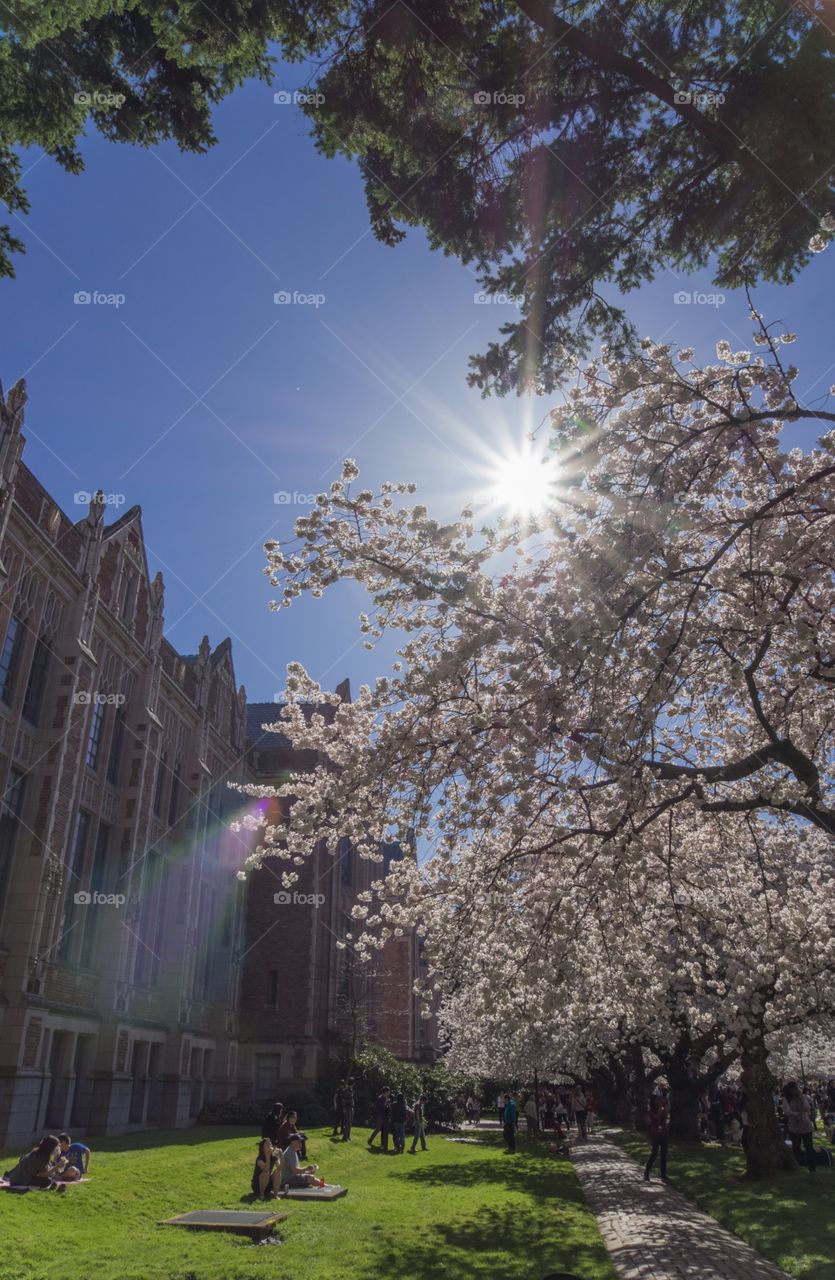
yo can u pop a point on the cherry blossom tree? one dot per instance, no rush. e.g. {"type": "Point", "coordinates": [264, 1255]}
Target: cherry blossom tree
{"type": "Point", "coordinates": [580, 699]}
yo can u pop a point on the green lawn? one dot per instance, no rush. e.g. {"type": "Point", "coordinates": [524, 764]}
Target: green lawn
{"type": "Point", "coordinates": [455, 1211]}
{"type": "Point", "coordinates": [789, 1219]}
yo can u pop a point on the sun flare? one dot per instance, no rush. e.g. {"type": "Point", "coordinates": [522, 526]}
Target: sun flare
{"type": "Point", "coordinates": [523, 481]}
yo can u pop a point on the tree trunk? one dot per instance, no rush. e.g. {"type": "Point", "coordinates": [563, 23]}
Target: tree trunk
{"type": "Point", "coordinates": [766, 1152]}
{"type": "Point", "coordinates": [684, 1101]}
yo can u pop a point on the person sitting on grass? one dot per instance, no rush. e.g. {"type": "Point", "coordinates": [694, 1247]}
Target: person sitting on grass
{"type": "Point", "coordinates": [35, 1169]}
{"type": "Point", "coordinates": [293, 1175]}
{"type": "Point", "coordinates": [74, 1160]}
{"type": "Point", "coordinates": [266, 1176]}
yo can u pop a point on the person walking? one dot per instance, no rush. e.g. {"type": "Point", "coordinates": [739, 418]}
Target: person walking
{"type": "Point", "coordinates": [580, 1113]}
{"type": "Point", "coordinates": [659, 1132]}
{"type": "Point", "coordinates": [509, 1117]}
{"type": "Point", "coordinates": [382, 1119]}
{"type": "Point", "coordinates": [420, 1132]}
{"type": "Point", "coordinates": [348, 1104]}
{"type": "Point", "coordinates": [799, 1122]}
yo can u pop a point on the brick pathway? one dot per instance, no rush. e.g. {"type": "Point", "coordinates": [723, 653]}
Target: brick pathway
{"type": "Point", "coordinates": [653, 1232]}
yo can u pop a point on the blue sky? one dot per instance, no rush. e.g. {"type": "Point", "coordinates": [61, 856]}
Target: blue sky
{"type": "Point", "coordinates": [200, 398]}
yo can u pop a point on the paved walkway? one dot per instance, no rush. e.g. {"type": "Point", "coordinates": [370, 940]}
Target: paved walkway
{"type": "Point", "coordinates": [653, 1232]}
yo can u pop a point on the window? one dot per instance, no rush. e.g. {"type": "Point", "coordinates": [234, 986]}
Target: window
{"type": "Point", "coordinates": [152, 924]}
{"type": "Point", "coordinates": [272, 989]}
{"type": "Point", "coordinates": [73, 883]}
{"type": "Point", "coordinates": [11, 806]}
{"type": "Point", "coordinates": [127, 597]}
{"type": "Point", "coordinates": [267, 1074]}
{"type": "Point", "coordinates": [159, 785]}
{"type": "Point", "coordinates": [116, 744]}
{"type": "Point", "coordinates": [37, 682]}
{"type": "Point", "coordinates": [10, 659]}
{"type": "Point", "coordinates": [204, 967]}
{"type": "Point", "coordinates": [94, 739]}
{"type": "Point", "coordinates": [97, 879]}
{"type": "Point", "coordinates": [174, 798]}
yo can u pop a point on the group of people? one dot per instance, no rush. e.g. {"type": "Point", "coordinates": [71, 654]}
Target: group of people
{"type": "Point", "coordinates": [281, 1150]}
{"type": "Point", "coordinates": [392, 1116]}
{"type": "Point", "coordinates": [556, 1111]}
{"type": "Point", "coordinates": [51, 1164]}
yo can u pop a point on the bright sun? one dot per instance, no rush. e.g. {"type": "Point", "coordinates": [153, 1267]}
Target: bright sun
{"type": "Point", "coordinates": [523, 481]}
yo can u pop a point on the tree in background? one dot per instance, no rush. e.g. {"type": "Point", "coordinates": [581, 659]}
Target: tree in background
{"type": "Point", "coordinates": [565, 151]}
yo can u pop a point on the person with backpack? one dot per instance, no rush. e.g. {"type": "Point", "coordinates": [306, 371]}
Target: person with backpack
{"type": "Point", "coordinates": [659, 1130]}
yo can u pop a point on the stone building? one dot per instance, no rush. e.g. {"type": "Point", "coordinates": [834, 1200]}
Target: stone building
{"type": "Point", "coordinates": [139, 978]}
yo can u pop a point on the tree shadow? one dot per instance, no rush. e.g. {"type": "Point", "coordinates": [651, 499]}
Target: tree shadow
{"type": "Point", "coordinates": [538, 1179]}
{"type": "Point", "coordinates": [493, 1244]}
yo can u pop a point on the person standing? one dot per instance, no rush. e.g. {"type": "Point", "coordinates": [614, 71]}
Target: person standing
{"type": "Point", "coordinates": [420, 1132]}
{"type": "Point", "coordinates": [580, 1113]}
{"type": "Point", "coordinates": [799, 1121]}
{"type": "Point", "coordinates": [348, 1104]}
{"type": "Point", "coordinates": [509, 1117]}
{"type": "Point", "coordinates": [398, 1123]}
{"type": "Point", "coordinates": [531, 1117]}
{"type": "Point", "coordinates": [659, 1132]}
{"type": "Point", "coordinates": [272, 1122]}
{"type": "Point", "coordinates": [338, 1108]}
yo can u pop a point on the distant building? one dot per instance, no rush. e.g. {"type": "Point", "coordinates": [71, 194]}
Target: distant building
{"type": "Point", "coordinates": [139, 978]}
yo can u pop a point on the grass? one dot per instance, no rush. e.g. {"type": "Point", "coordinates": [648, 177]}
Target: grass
{"type": "Point", "coordinates": [455, 1211]}
{"type": "Point", "coordinates": [788, 1218]}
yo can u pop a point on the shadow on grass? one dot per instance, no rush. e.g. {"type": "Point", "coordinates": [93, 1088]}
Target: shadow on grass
{"type": "Point", "coordinates": [493, 1244]}
{"type": "Point", "coordinates": [538, 1179]}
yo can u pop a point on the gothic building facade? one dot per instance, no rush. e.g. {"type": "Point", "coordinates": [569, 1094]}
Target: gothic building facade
{"type": "Point", "coordinates": [139, 978]}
